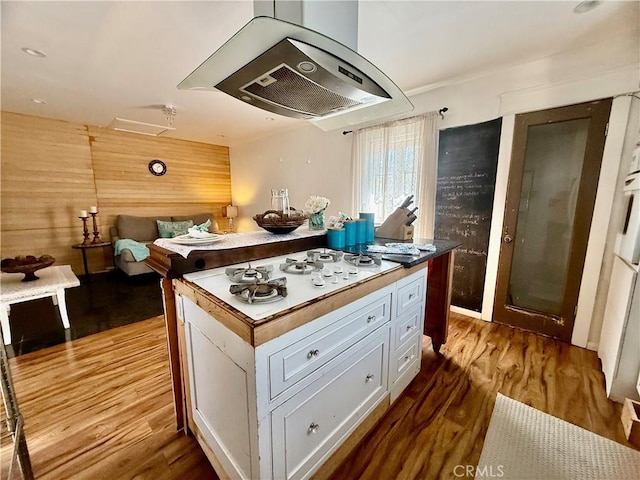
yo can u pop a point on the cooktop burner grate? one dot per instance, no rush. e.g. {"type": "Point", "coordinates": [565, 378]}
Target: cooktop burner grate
{"type": "Point", "coordinates": [360, 260]}
{"type": "Point", "coordinates": [324, 256]}
{"type": "Point", "coordinates": [249, 274]}
{"type": "Point", "coordinates": [297, 267]}
{"type": "Point", "coordinates": [260, 292]}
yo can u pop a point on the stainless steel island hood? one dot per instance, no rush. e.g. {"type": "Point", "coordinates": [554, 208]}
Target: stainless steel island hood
{"type": "Point", "coordinates": [291, 70]}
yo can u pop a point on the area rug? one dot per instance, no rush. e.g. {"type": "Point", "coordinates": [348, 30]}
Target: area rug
{"type": "Point", "coordinates": [523, 443]}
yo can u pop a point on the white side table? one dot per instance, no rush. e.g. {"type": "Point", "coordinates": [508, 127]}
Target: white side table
{"type": "Point", "coordinates": [52, 282]}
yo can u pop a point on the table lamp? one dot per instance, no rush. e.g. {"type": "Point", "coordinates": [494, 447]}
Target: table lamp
{"type": "Point", "coordinates": [230, 212]}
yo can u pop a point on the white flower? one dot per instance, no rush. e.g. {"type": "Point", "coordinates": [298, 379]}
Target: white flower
{"type": "Point", "coordinates": [316, 204]}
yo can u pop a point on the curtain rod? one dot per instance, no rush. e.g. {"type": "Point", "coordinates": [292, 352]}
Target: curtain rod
{"type": "Point", "coordinates": [441, 112]}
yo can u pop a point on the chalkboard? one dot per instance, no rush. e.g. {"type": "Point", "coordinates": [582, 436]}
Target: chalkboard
{"type": "Point", "coordinates": [467, 164]}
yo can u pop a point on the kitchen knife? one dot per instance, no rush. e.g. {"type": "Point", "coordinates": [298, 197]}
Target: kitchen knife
{"type": "Point", "coordinates": [410, 219]}
{"type": "Point", "coordinates": [407, 201]}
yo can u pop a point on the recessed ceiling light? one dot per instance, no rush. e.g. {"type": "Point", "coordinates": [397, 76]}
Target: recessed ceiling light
{"type": "Point", "coordinates": [39, 101]}
{"type": "Point", "coordinates": [33, 52]}
{"type": "Point", "coordinates": [586, 6]}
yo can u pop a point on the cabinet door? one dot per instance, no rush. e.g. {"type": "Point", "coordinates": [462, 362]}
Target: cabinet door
{"type": "Point", "coordinates": [312, 424]}
{"type": "Point", "coordinates": [221, 386]}
{"type": "Point", "coordinates": [614, 325]}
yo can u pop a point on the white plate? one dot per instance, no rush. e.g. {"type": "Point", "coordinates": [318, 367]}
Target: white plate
{"type": "Point", "coordinates": [187, 239]}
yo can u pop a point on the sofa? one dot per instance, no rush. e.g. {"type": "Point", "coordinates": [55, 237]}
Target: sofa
{"type": "Point", "coordinates": [145, 231]}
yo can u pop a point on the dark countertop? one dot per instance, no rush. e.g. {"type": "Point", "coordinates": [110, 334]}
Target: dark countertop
{"type": "Point", "coordinates": [442, 247]}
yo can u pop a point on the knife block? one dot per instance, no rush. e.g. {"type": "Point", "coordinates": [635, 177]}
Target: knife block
{"type": "Point", "coordinates": [395, 226]}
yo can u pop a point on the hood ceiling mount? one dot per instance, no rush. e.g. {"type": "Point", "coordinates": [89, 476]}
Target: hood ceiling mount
{"type": "Point", "coordinates": [338, 20]}
{"type": "Point", "coordinates": [292, 70]}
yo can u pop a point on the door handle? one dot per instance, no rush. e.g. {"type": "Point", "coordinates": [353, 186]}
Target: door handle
{"type": "Point", "coordinates": [507, 239]}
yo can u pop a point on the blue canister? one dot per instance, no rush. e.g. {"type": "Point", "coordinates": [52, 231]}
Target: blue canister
{"type": "Point", "coordinates": [361, 230]}
{"type": "Point", "coordinates": [370, 228]}
{"type": "Point", "coordinates": [335, 238]}
{"type": "Point", "coordinates": [350, 233]}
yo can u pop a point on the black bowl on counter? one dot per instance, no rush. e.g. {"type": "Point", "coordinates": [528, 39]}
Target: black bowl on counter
{"type": "Point", "coordinates": [274, 221]}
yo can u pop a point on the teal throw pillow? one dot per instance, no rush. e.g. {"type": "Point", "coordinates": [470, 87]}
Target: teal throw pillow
{"type": "Point", "coordinates": [173, 229]}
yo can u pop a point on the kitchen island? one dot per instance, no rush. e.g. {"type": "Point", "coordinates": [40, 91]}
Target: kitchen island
{"type": "Point", "coordinates": [258, 334]}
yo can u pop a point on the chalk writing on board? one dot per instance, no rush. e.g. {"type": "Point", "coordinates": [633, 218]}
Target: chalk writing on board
{"type": "Point", "coordinates": [467, 164]}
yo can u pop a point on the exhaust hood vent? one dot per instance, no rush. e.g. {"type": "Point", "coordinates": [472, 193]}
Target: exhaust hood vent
{"type": "Point", "coordinates": [294, 91]}
{"type": "Point", "coordinates": [312, 83]}
{"type": "Point", "coordinates": [301, 74]}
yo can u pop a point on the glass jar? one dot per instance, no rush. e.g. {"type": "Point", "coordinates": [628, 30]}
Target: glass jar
{"type": "Point", "coordinates": [280, 200]}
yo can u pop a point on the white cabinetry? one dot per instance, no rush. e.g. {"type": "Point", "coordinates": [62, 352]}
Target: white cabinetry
{"type": "Point", "coordinates": [280, 409]}
{"type": "Point", "coordinates": [619, 348]}
{"type": "Point", "coordinates": [406, 334]}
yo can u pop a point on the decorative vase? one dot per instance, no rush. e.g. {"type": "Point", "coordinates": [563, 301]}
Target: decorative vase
{"type": "Point", "coordinates": [316, 221]}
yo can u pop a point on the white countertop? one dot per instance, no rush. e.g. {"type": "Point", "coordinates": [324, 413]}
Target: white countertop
{"type": "Point", "coordinates": [300, 288]}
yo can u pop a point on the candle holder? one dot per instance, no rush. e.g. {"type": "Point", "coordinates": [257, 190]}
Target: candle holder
{"type": "Point", "coordinates": [85, 230]}
{"type": "Point", "coordinates": [96, 233]}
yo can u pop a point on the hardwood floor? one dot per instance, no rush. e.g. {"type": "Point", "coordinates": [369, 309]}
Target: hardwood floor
{"type": "Point", "coordinates": [100, 407]}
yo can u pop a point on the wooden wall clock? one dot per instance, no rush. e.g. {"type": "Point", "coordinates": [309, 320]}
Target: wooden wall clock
{"type": "Point", "coordinates": [157, 167]}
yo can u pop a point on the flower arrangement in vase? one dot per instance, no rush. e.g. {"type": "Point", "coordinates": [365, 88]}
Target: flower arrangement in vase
{"type": "Point", "coordinates": [315, 207]}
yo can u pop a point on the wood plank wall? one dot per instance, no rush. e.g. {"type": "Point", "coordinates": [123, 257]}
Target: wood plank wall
{"type": "Point", "coordinates": [52, 169]}
{"type": "Point", "coordinates": [46, 179]}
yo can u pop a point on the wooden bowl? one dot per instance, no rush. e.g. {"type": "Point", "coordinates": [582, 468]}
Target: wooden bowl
{"type": "Point", "coordinates": [26, 264]}
{"type": "Point", "coordinates": [275, 222]}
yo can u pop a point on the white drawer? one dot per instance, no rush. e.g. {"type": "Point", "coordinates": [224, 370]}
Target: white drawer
{"type": "Point", "coordinates": [307, 427]}
{"type": "Point", "coordinates": [407, 326]}
{"type": "Point", "coordinates": [410, 295]}
{"type": "Point", "coordinates": [404, 357]}
{"type": "Point", "coordinates": [406, 368]}
{"type": "Point", "coordinates": [293, 363]}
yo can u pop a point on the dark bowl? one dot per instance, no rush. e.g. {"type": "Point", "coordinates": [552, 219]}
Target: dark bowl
{"type": "Point", "coordinates": [279, 230]}
{"type": "Point", "coordinates": [274, 222]}
{"type": "Point", "coordinates": [27, 264]}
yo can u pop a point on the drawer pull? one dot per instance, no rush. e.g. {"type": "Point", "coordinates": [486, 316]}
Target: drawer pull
{"type": "Point", "coordinates": [412, 296]}
{"type": "Point", "coordinates": [370, 377]}
{"type": "Point", "coordinates": [371, 318]}
{"type": "Point", "coordinates": [313, 428]}
{"type": "Point", "coordinates": [410, 327]}
{"type": "Point", "coordinates": [408, 357]}
{"type": "Point", "coordinates": [313, 353]}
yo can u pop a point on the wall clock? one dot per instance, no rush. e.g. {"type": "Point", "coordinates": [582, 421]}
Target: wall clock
{"type": "Point", "coordinates": [157, 167]}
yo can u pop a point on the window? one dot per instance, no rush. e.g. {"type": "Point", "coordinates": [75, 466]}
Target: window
{"type": "Point", "coordinates": [393, 161]}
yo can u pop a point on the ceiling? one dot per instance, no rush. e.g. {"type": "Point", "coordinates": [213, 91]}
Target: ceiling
{"type": "Point", "coordinates": [124, 58]}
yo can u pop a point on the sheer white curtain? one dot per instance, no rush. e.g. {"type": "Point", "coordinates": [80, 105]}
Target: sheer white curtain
{"type": "Point", "coordinates": [394, 160]}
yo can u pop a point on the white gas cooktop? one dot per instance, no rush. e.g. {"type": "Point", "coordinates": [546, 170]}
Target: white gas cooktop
{"type": "Point", "coordinates": [301, 288]}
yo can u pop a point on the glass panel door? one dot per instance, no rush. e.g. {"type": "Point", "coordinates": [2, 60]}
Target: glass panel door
{"type": "Point", "coordinates": [546, 213]}
{"type": "Point", "coordinates": [553, 179]}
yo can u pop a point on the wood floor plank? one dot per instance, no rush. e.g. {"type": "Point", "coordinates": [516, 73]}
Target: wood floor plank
{"type": "Point", "coordinates": [101, 407]}
{"type": "Point", "coordinates": [446, 424]}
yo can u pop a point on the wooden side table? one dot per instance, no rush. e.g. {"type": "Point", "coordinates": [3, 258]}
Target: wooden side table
{"type": "Point", "coordinates": [83, 248]}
